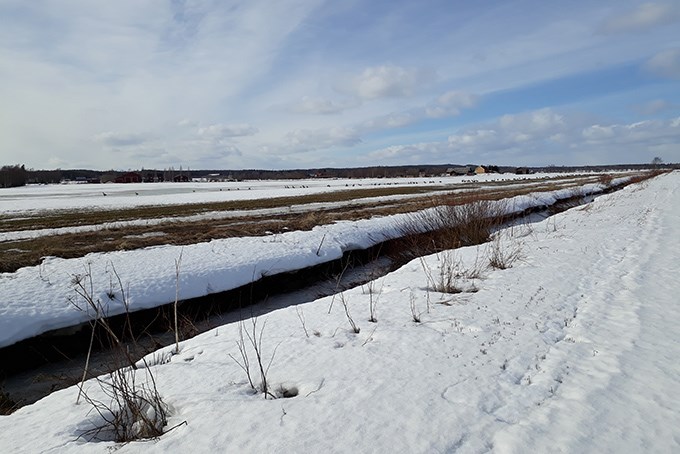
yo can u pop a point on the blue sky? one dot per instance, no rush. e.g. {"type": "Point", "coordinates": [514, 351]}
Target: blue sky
{"type": "Point", "coordinates": [314, 83]}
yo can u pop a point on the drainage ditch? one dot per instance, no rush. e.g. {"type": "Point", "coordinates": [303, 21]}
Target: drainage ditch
{"type": "Point", "coordinates": [33, 368]}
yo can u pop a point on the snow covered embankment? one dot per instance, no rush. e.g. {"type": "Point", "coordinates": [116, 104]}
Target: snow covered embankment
{"type": "Point", "coordinates": [34, 300]}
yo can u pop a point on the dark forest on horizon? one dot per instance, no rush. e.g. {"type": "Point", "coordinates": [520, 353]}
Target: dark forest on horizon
{"type": "Point", "coordinates": [18, 175]}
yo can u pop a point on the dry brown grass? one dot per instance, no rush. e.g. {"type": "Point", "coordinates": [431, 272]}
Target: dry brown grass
{"type": "Point", "coordinates": [503, 253]}
{"type": "Point", "coordinates": [71, 218]}
{"type": "Point", "coordinates": [640, 177]}
{"type": "Point", "coordinates": [177, 231]}
{"type": "Point", "coordinates": [449, 224]}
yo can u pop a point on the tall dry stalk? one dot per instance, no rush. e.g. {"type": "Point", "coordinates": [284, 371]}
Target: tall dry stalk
{"type": "Point", "coordinates": [83, 286]}
{"type": "Point", "coordinates": [178, 263]}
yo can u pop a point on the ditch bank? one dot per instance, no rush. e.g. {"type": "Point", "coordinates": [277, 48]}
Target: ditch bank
{"type": "Point", "coordinates": [35, 367]}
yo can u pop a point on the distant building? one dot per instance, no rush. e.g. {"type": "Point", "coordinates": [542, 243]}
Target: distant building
{"type": "Point", "coordinates": [458, 170]}
{"type": "Point", "coordinates": [108, 178]}
{"type": "Point", "coordinates": [479, 170]}
{"type": "Point", "coordinates": [216, 177]}
{"type": "Point", "coordinates": [128, 177]}
{"type": "Point", "coordinates": [152, 176]}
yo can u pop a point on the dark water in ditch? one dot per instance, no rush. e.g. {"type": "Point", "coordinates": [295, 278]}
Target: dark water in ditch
{"type": "Point", "coordinates": [36, 367]}
{"type": "Point", "coordinates": [54, 363]}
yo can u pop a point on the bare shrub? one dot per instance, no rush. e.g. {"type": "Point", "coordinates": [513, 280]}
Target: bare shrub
{"type": "Point", "coordinates": [373, 297]}
{"type": "Point", "coordinates": [503, 255]}
{"type": "Point", "coordinates": [255, 342]}
{"type": "Point", "coordinates": [244, 362]}
{"type": "Point", "coordinates": [472, 223]}
{"type": "Point", "coordinates": [187, 328]}
{"type": "Point", "coordinates": [83, 286]}
{"type": "Point", "coordinates": [371, 307]}
{"type": "Point", "coordinates": [355, 328]}
{"type": "Point", "coordinates": [446, 280]}
{"type": "Point", "coordinates": [474, 271]}
{"type": "Point", "coordinates": [523, 228]}
{"type": "Point", "coordinates": [453, 276]}
{"type": "Point", "coordinates": [178, 263]}
{"type": "Point", "coordinates": [415, 315]}
{"type": "Point", "coordinates": [338, 282]}
{"type": "Point", "coordinates": [301, 316]}
{"type": "Point", "coordinates": [131, 410]}
{"type": "Point", "coordinates": [448, 273]}
{"type": "Point", "coordinates": [451, 224]}
{"type": "Point", "coordinates": [605, 179]}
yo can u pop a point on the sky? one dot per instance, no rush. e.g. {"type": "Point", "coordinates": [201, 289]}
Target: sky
{"type": "Point", "coordinates": [311, 83]}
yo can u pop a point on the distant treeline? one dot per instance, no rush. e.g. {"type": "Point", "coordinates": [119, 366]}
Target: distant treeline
{"type": "Point", "coordinates": [18, 175]}
{"type": "Point", "coordinates": [12, 176]}
{"type": "Point", "coordinates": [357, 172]}
{"type": "Point", "coordinates": [604, 167]}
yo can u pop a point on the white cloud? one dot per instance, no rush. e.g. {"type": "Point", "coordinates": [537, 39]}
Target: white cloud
{"type": "Point", "coordinates": [117, 139]}
{"type": "Point", "coordinates": [666, 63]}
{"type": "Point", "coordinates": [653, 107]}
{"type": "Point", "coordinates": [646, 133]}
{"type": "Point", "coordinates": [536, 138]}
{"type": "Point", "coordinates": [456, 99]}
{"type": "Point", "coordinates": [597, 132]}
{"type": "Point", "coordinates": [417, 153]}
{"type": "Point", "coordinates": [476, 138]}
{"type": "Point", "coordinates": [227, 130]}
{"type": "Point", "coordinates": [307, 140]}
{"type": "Point", "coordinates": [185, 122]}
{"type": "Point", "coordinates": [539, 122]}
{"type": "Point", "coordinates": [319, 106]}
{"type": "Point", "coordinates": [390, 121]}
{"type": "Point", "coordinates": [450, 104]}
{"type": "Point", "coordinates": [387, 81]}
{"type": "Point", "coordinates": [189, 151]}
{"type": "Point", "coordinates": [645, 17]}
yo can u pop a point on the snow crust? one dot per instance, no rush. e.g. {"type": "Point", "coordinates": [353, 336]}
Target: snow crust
{"type": "Point", "coordinates": [572, 349]}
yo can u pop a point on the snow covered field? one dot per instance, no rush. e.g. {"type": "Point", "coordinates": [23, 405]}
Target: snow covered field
{"type": "Point", "coordinates": [572, 349]}
{"type": "Point", "coordinates": [91, 196]}
{"type": "Point", "coordinates": [38, 201]}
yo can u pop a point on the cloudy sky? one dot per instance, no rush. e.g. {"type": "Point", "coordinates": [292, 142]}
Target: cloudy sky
{"type": "Point", "coordinates": [279, 84]}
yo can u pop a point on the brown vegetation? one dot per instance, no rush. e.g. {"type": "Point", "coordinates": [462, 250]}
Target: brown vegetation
{"type": "Point", "coordinates": [170, 225]}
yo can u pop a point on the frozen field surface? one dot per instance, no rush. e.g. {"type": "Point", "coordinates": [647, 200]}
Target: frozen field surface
{"type": "Point", "coordinates": [573, 348]}
{"type": "Point", "coordinates": [112, 196]}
